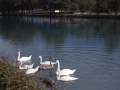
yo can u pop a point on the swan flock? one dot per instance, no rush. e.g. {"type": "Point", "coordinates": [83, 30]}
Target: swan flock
{"type": "Point", "coordinates": [62, 75]}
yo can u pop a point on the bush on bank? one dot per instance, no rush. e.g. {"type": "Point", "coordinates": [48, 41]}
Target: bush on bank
{"type": "Point", "coordinates": [11, 79]}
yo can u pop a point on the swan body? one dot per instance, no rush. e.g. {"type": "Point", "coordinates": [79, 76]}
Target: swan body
{"type": "Point", "coordinates": [42, 67]}
{"type": "Point", "coordinates": [23, 59]}
{"type": "Point", "coordinates": [45, 62]}
{"type": "Point", "coordinates": [66, 78]}
{"type": "Point", "coordinates": [63, 71]}
{"type": "Point", "coordinates": [22, 67]}
{"type": "Point", "coordinates": [25, 66]}
{"type": "Point", "coordinates": [32, 71]}
{"type": "Point", "coordinates": [29, 66]}
{"type": "Point", "coordinates": [49, 66]}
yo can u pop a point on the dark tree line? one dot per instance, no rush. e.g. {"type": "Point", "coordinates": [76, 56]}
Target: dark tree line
{"type": "Point", "coordinates": [97, 6]}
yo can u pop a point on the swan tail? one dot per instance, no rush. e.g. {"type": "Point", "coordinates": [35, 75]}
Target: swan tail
{"type": "Point", "coordinates": [30, 55]}
{"type": "Point", "coordinates": [75, 78]}
{"type": "Point", "coordinates": [74, 70]}
{"type": "Point", "coordinates": [31, 66]}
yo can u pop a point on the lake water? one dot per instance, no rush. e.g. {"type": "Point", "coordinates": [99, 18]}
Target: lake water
{"type": "Point", "coordinates": [92, 46]}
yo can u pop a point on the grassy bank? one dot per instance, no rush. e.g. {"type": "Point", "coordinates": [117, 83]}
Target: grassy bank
{"type": "Point", "coordinates": [11, 79]}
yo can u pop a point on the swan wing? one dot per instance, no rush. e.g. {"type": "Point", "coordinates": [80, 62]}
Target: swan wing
{"type": "Point", "coordinates": [48, 62]}
{"type": "Point", "coordinates": [31, 71]}
{"type": "Point", "coordinates": [48, 66]}
{"type": "Point", "coordinates": [30, 66]}
{"type": "Point", "coordinates": [25, 58]}
{"type": "Point", "coordinates": [68, 78]}
{"type": "Point", "coordinates": [66, 71]}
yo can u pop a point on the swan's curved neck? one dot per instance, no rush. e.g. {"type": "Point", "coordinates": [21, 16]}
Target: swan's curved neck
{"type": "Point", "coordinates": [58, 77]}
{"type": "Point", "coordinates": [58, 66]}
{"type": "Point", "coordinates": [20, 65]}
{"type": "Point", "coordinates": [37, 68]}
{"type": "Point", "coordinates": [40, 60]}
{"type": "Point", "coordinates": [18, 55]}
{"type": "Point", "coordinates": [51, 63]}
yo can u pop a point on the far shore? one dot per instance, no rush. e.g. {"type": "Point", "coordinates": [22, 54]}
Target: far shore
{"type": "Point", "coordinates": [69, 15]}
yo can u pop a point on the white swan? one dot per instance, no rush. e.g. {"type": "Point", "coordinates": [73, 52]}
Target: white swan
{"type": "Point", "coordinates": [45, 62]}
{"type": "Point", "coordinates": [63, 71]}
{"type": "Point", "coordinates": [22, 67]}
{"type": "Point", "coordinates": [23, 59]}
{"type": "Point", "coordinates": [32, 71]}
{"type": "Point", "coordinates": [29, 66]}
{"type": "Point", "coordinates": [66, 78]}
{"type": "Point", "coordinates": [25, 66]}
{"type": "Point", "coordinates": [42, 67]}
{"type": "Point", "coordinates": [49, 66]}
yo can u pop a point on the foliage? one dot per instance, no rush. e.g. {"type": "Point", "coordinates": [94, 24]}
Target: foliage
{"type": "Point", "coordinates": [74, 6]}
{"type": "Point", "coordinates": [114, 5]}
{"type": "Point", "coordinates": [10, 79]}
{"type": "Point", "coordinates": [14, 6]}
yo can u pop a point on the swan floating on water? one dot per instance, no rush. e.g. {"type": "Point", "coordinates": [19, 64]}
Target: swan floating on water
{"type": "Point", "coordinates": [46, 66]}
{"type": "Point", "coordinates": [49, 66]}
{"type": "Point", "coordinates": [25, 66]}
{"type": "Point", "coordinates": [45, 62]}
{"type": "Point", "coordinates": [66, 78]}
{"type": "Point", "coordinates": [32, 71]}
{"type": "Point", "coordinates": [23, 59]}
{"type": "Point", "coordinates": [29, 66]}
{"type": "Point", "coordinates": [63, 71]}
{"type": "Point", "coordinates": [42, 67]}
{"type": "Point", "coordinates": [22, 67]}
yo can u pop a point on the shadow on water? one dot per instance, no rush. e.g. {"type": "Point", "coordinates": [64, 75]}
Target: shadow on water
{"type": "Point", "coordinates": [57, 29]}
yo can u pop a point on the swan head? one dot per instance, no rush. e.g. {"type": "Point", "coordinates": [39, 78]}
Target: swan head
{"type": "Point", "coordinates": [39, 56]}
{"type": "Point", "coordinates": [50, 59]}
{"type": "Point", "coordinates": [57, 61]}
{"type": "Point", "coordinates": [18, 49]}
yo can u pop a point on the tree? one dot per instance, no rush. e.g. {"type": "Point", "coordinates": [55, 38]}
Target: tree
{"type": "Point", "coordinates": [82, 5]}
{"type": "Point", "coordinates": [61, 4]}
{"type": "Point", "coordinates": [56, 4]}
{"type": "Point", "coordinates": [114, 6]}
{"type": "Point", "coordinates": [66, 4]}
{"type": "Point", "coordinates": [74, 6]}
{"type": "Point", "coordinates": [103, 6]}
{"type": "Point", "coordinates": [7, 6]}
{"type": "Point", "coordinates": [91, 5]}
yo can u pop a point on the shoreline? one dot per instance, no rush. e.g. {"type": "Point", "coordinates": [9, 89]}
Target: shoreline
{"type": "Point", "coordinates": [109, 16]}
